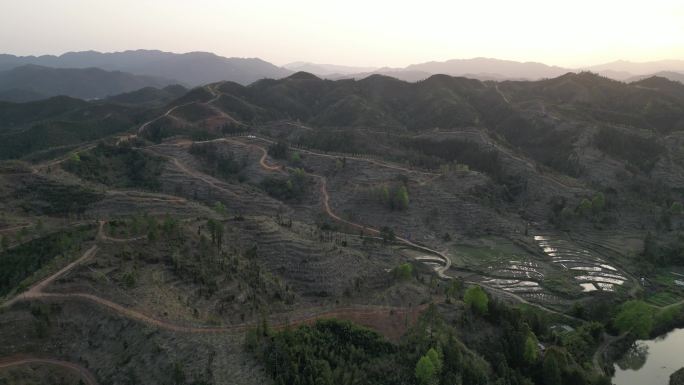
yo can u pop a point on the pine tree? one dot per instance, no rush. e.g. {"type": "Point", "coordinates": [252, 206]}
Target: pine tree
{"type": "Point", "coordinates": [401, 198]}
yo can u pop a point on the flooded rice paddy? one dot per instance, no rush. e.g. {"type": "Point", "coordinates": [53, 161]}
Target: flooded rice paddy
{"type": "Point", "coordinates": [590, 271]}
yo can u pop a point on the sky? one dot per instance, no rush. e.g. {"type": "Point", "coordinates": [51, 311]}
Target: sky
{"type": "Point", "coordinates": [354, 32]}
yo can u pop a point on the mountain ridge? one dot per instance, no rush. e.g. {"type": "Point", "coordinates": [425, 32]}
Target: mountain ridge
{"type": "Point", "coordinates": [32, 82]}
{"type": "Point", "coordinates": [192, 68]}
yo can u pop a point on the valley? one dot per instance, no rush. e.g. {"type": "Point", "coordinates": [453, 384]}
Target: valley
{"type": "Point", "coordinates": [155, 251]}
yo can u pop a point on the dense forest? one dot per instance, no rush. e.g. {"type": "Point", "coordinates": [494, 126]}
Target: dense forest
{"type": "Point", "coordinates": [510, 347]}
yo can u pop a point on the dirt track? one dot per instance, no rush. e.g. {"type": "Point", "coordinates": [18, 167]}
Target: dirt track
{"type": "Point", "coordinates": [447, 261]}
{"type": "Point", "coordinates": [84, 373]}
{"type": "Point", "coordinates": [329, 211]}
{"type": "Point", "coordinates": [393, 319]}
{"type": "Point", "coordinates": [36, 291]}
{"type": "Point", "coordinates": [368, 315]}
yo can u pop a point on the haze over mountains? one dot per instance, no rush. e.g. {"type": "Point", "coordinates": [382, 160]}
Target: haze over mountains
{"type": "Point", "coordinates": [496, 69]}
{"type": "Point", "coordinates": [193, 69]}
{"type": "Point", "coordinates": [95, 75]}
{"type": "Point", "coordinates": [31, 82]}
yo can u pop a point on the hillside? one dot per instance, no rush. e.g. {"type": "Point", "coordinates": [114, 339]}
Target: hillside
{"type": "Point", "coordinates": [57, 125]}
{"type": "Point", "coordinates": [671, 75]}
{"type": "Point", "coordinates": [90, 83]}
{"type": "Point", "coordinates": [311, 231]}
{"type": "Point", "coordinates": [149, 96]}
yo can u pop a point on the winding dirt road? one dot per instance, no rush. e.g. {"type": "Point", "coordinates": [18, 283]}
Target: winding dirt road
{"type": "Point", "coordinates": [19, 227]}
{"type": "Point", "coordinates": [36, 291]}
{"type": "Point", "coordinates": [329, 211]}
{"type": "Point", "coordinates": [441, 272]}
{"type": "Point", "coordinates": [85, 375]}
{"type": "Point", "coordinates": [167, 113]}
{"type": "Point", "coordinates": [352, 312]}
{"type": "Point", "coordinates": [195, 174]}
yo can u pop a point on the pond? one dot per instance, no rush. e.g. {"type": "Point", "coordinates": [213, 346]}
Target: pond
{"type": "Point", "coordinates": [652, 361]}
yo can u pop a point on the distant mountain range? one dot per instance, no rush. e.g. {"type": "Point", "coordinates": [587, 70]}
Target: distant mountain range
{"type": "Point", "coordinates": [95, 75]}
{"type": "Point", "coordinates": [496, 69]}
{"type": "Point", "coordinates": [628, 69]}
{"type": "Point", "coordinates": [327, 69]}
{"type": "Point", "coordinates": [32, 82]}
{"type": "Point", "coordinates": [191, 69]}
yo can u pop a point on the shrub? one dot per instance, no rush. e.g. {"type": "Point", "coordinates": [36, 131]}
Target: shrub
{"type": "Point", "coordinates": [403, 272]}
{"type": "Point", "coordinates": [635, 317]}
{"type": "Point", "coordinates": [477, 300]}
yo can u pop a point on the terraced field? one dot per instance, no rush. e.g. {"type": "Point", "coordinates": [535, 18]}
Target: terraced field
{"type": "Point", "coordinates": [524, 277]}
{"type": "Point", "coordinates": [591, 271]}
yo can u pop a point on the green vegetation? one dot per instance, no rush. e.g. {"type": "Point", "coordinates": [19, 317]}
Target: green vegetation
{"type": "Point", "coordinates": [531, 349]}
{"type": "Point", "coordinates": [69, 122]}
{"type": "Point", "coordinates": [582, 341]}
{"type": "Point", "coordinates": [429, 368]}
{"type": "Point", "coordinates": [403, 272]}
{"type": "Point", "coordinates": [216, 231]}
{"type": "Point", "coordinates": [4, 243]}
{"type": "Point", "coordinates": [220, 208]}
{"type": "Point", "coordinates": [453, 291]}
{"type": "Point", "coordinates": [117, 166]}
{"type": "Point", "coordinates": [394, 198]}
{"type": "Point", "coordinates": [338, 352]}
{"type": "Point", "coordinates": [663, 298]}
{"type": "Point", "coordinates": [642, 153]}
{"type": "Point", "coordinates": [329, 352]}
{"type": "Point", "coordinates": [220, 162]}
{"type": "Point", "coordinates": [20, 262]}
{"type": "Point", "coordinates": [208, 264]}
{"type": "Point", "coordinates": [434, 153]}
{"type": "Point", "coordinates": [292, 188]}
{"type": "Point", "coordinates": [476, 299]}
{"type": "Point", "coordinates": [526, 159]}
{"type": "Point", "coordinates": [661, 250]}
{"type": "Point", "coordinates": [387, 234]}
{"type": "Point", "coordinates": [635, 317]}
{"type": "Point", "coordinates": [279, 150]}
{"type": "Point", "coordinates": [51, 198]}
{"type": "Point", "coordinates": [594, 209]}
{"type": "Point", "coordinates": [541, 142]}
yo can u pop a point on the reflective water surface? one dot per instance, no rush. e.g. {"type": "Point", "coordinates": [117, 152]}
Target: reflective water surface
{"type": "Point", "coordinates": [651, 362]}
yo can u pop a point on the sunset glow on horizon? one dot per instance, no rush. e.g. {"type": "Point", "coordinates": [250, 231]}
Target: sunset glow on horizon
{"type": "Point", "coordinates": [354, 32]}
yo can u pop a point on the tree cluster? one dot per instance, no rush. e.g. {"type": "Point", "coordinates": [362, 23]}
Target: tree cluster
{"type": "Point", "coordinates": [393, 197]}
{"type": "Point", "coordinates": [220, 163]}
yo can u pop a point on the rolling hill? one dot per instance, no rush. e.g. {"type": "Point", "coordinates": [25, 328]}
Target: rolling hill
{"type": "Point", "coordinates": [208, 233]}
{"type": "Point", "coordinates": [671, 75]}
{"type": "Point", "coordinates": [149, 96]}
{"type": "Point", "coordinates": [32, 82]}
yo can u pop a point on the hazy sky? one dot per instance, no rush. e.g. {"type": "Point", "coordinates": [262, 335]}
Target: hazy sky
{"type": "Point", "coordinates": [354, 32]}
